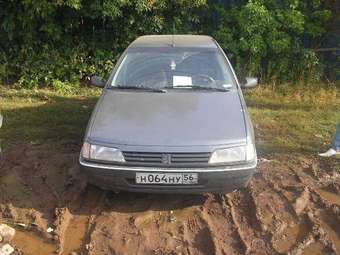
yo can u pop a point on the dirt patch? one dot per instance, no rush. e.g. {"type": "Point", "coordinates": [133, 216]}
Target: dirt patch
{"type": "Point", "coordinates": [291, 206]}
{"type": "Point", "coordinates": [290, 235]}
{"type": "Point", "coordinates": [31, 243]}
{"type": "Point", "coordinates": [331, 196]}
{"type": "Point", "coordinates": [314, 249]}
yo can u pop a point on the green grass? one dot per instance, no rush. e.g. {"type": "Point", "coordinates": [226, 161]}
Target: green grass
{"type": "Point", "coordinates": [294, 119]}
{"type": "Point", "coordinates": [285, 120]}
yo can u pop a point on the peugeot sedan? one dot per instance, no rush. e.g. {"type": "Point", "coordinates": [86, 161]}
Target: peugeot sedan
{"type": "Point", "coordinates": [171, 119]}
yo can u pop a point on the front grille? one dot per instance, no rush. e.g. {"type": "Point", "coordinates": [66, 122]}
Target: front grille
{"type": "Point", "coordinates": [166, 159]}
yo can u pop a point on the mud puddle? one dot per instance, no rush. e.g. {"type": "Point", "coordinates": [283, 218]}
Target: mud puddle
{"type": "Point", "coordinates": [75, 236]}
{"type": "Point", "coordinates": [291, 235]}
{"type": "Point", "coordinates": [315, 248]}
{"type": "Point", "coordinates": [329, 196]}
{"type": "Point", "coordinates": [31, 244]}
{"type": "Point", "coordinates": [332, 228]}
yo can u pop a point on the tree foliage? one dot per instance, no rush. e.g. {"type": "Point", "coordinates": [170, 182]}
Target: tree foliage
{"type": "Point", "coordinates": [48, 42]}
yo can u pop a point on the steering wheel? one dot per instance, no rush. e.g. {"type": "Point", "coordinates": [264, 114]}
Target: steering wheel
{"type": "Point", "coordinates": [205, 77]}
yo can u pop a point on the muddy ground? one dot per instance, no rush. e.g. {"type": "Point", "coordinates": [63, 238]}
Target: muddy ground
{"type": "Point", "coordinates": [291, 206]}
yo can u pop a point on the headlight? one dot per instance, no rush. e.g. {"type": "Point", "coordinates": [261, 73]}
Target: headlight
{"type": "Point", "coordinates": [233, 154]}
{"type": "Point", "coordinates": [97, 152]}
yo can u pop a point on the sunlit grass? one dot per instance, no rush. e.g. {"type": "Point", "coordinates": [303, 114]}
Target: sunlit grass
{"type": "Point", "coordinates": [294, 119]}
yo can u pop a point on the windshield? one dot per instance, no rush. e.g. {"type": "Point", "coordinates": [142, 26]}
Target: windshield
{"type": "Point", "coordinates": [173, 68]}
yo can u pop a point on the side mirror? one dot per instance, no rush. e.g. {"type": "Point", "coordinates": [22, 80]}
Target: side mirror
{"type": "Point", "coordinates": [251, 82]}
{"type": "Point", "coordinates": [98, 81]}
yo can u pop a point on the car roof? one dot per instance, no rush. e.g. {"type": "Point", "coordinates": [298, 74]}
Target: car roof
{"type": "Point", "coordinates": [192, 41]}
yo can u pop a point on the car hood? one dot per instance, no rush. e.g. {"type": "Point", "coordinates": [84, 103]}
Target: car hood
{"type": "Point", "coordinates": [175, 118]}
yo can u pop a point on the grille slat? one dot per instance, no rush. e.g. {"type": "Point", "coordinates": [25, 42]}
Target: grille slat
{"type": "Point", "coordinates": [143, 160]}
{"type": "Point", "coordinates": [189, 160]}
{"type": "Point", "coordinates": [147, 155]}
{"type": "Point", "coordinates": [139, 157]}
{"type": "Point", "coordinates": [187, 155]}
{"type": "Point", "coordinates": [166, 159]}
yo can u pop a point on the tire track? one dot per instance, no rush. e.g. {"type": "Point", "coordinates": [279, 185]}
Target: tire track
{"type": "Point", "coordinates": [243, 211]}
{"type": "Point", "coordinates": [77, 222]}
{"type": "Point", "coordinates": [198, 237]}
{"type": "Point", "coordinates": [312, 229]}
{"type": "Point", "coordinates": [216, 213]}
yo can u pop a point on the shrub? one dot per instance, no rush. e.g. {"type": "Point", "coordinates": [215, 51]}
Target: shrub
{"type": "Point", "coordinates": [47, 42]}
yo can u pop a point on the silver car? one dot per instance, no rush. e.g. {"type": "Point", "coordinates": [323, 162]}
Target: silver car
{"type": "Point", "coordinates": [171, 119]}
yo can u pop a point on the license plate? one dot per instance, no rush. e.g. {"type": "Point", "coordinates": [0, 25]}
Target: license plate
{"type": "Point", "coordinates": [167, 178]}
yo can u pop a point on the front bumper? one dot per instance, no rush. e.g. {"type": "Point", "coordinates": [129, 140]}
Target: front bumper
{"type": "Point", "coordinates": [220, 179]}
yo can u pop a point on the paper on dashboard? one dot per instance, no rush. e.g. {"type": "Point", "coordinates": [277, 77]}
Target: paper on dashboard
{"type": "Point", "coordinates": [182, 81]}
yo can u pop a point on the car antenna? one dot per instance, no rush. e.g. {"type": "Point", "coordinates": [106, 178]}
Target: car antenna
{"type": "Point", "coordinates": [172, 37]}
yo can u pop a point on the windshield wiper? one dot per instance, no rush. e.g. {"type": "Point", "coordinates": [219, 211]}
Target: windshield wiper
{"type": "Point", "coordinates": [139, 88]}
{"type": "Point", "coordinates": [197, 87]}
